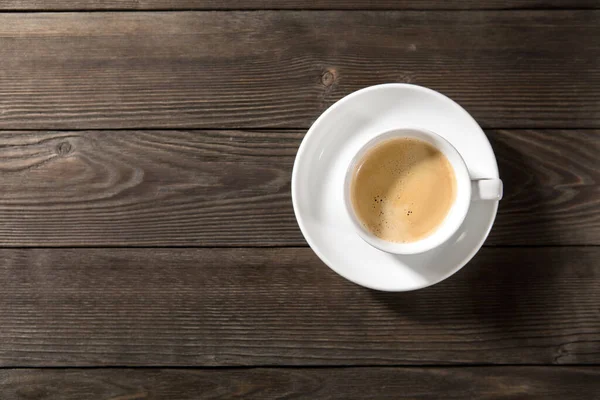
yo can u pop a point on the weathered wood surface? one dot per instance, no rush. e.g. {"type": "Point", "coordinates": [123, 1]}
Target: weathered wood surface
{"type": "Point", "coordinates": [177, 131]}
{"type": "Point", "coordinates": [81, 5]}
{"type": "Point", "coordinates": [307, 383]}
{"type": "Point", "coordinates": [229, 307]}
{"type": "Point", "coordinates": [232, 188]}
{"type": "Point", "coordinates": [519, 69]}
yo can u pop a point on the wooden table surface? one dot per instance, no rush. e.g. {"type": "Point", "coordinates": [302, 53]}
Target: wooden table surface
{"type": "Point", "coordinates": [148, 246]}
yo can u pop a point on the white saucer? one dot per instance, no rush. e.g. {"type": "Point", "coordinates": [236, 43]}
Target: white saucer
{"type": "Point", "coordinates": [318, 176]}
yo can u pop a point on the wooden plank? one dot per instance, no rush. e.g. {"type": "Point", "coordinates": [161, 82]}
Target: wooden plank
{"type": "Point", "coordinates": [161, 188]}
{"type": "Point", "coordinates": [292, 4]}
{"type": "Point", "coordinates": [310, 383]}
{"type": "Point", "coordinates": [232, 188]}
{"type": "Point", "coordinates": [226, 307]}
{"type": "Point", "coordinates": [552, 184]}
{"type": "Point", "coordinates": [283, 68]}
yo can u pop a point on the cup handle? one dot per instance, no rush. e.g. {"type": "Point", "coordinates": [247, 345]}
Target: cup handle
{"type": "Point", "coordinates": [486, 189]}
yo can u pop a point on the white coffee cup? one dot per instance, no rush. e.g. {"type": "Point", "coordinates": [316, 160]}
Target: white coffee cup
{"type": "Point", "coordinates": [467, 190]}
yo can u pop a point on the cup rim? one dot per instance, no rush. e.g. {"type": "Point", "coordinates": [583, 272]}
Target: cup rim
{"type": "Point", "coordinates": [458, 210]}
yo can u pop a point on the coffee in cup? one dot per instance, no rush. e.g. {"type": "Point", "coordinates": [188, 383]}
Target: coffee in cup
{"type": "Point", "coordinates": [408, 190]}
{"type": "Point", "coordinates": [402, 189]}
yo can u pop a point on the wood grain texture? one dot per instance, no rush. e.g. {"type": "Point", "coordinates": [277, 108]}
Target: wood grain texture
{"type": "Point", "coordinates": [523, 69]}
{"type": "Point", "coordinates": [552, 187]}
{"type": "Point", "coordinates": [226, 307]}
{"type": "Point", "coordinates": [147, 188]}
{"type": "Point", "coordinates": [292, 4]}
{"type": "Point", "coordinates": [307, 383]}
{"type": "Point", "coordinates": [232, 188]}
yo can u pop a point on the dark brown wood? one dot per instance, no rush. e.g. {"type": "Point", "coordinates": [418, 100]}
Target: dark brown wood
{"type": "Point", "coordinates": [147, 188]}
{"type": "Point", "coordinates": [307, 383]}
{"type": "Point", "coordinates": [151, 129]}
{"type": "Point", "coordinates": [291, 4]}
{"type": "Point", "coordinates": [225, 307]}
{"type": "Point", "coordinates": [551, 186]}
{"type": "Point", "coordinates": [232, 188]}
{"type": "Point", "coordinates": [283, 68]}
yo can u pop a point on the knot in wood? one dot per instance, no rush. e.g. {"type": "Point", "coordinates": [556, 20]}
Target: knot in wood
{"type": "Point", "coordinates": [63, 148]}
{"type": "Point", "coordinates": [327, 78]}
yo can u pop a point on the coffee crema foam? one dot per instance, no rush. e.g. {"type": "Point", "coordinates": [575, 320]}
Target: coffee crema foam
{"type": "Point", "coordinates": [402, 189]}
